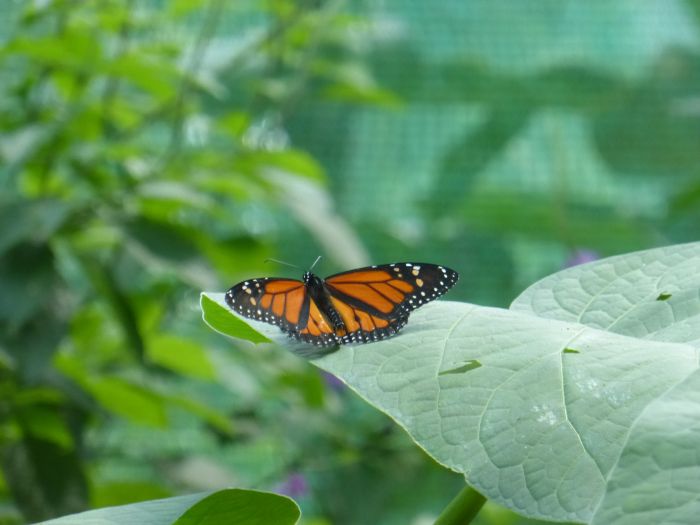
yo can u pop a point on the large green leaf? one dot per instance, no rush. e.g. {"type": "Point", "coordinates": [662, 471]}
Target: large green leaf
{"type": "Point", "coordinates": [656, 479]}
{"type": "Point", "coordinates": [536, 411]}
{"type": "Point", "coordinates": [231, 506]}
{"type": "Point", "coordinates": [651, 294]}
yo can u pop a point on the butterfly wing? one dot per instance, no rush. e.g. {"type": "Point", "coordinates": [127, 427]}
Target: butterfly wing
{"type": "Point", "coordinates": [374, 302]}
{"type": "Point", "coordinates": [285, 303]}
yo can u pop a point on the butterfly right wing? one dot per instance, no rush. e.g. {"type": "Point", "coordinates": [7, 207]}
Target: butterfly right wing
{"type": "Point", "coordinates": [284, 303]}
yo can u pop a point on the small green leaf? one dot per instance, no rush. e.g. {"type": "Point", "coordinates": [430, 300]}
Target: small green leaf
{"type": "Point", "coordinates": [242, 507]}
{"type": "Point", "coordinates": [180, 355]}
{"type": "Point", "coordinates": [128, 400]}
{"type": "Point", "coordinates": [156, 77]}
{"type": "Point", "coordinates": [213, 417]}
{"type": "Point", "coordinates": [571, 351]}
{"type": "Point", "coordinates": [664, 296]}
{"type": "Point", "coordinates": [46, 423]}
{"type": "Point", "coordinates": [117, 395]}
{"type": "Point", "coordinates": [218, 316]}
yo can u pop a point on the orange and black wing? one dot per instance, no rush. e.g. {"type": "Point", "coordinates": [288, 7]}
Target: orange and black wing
{"type": "Point", "coordinates": [285, 303]}
{"type": "Point", "coordinates": [374, 302]}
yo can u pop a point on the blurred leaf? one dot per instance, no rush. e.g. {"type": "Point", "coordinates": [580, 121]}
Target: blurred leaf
{"type": "Point", "coordinates": [32, 221]}
{"type": "Point", "coordinates": [219, 319]}
{"type": "Point", "coordinates": [174, 197]}
{"type": "Point", "coordinates": [28, 282]}
{"type": "Point", "coordinates": [210, 415]}
{"type": "Point", "coordinates": [310, 385]}
{"type": "Point", "coordinates": [170, 248]}
{"type": "Point", "coordinates": [539, 217]}
{"type": "Point", "coordinates": [120, 304]}
{"type": "Point", "coordinates": [45, 479]}
{"type": "Point", "coordinates": [668, 102]}
{"type": "Point", "coordinates": [241, 507]}
{"type": "Point", "coordinates": [313, 207]}
{"type": "Point", "coordinates": [163, 240]}
{"type": "Point", "coordinates": [117, 395]}
{"type": "Point", "coordinates": [75, 49]}
{"type": "Point", "coordinates": [235, 123]}
{"type": "Point", "coordinates": [291, 161]}
{"type": "Point", "coordinates": [180, 355]}
{"type": "Point", "coordinates": [471, 153]}
{"type": "Point", "coordinates": [127, 400]}
{"type": "Point", "coordinates": [122, 493]}
{"type": "Point", "coordinates": [151, 74]}
{"type": "Point", "coordinates": [17, 146]}
{"type": "Point", "coordinates": [232, 506]}
{"type": "Point", "coordinates": [31, 396]}
{"type": "Point", "coordinates": [45, 423]}
{"type": "Point", "coordinates": [357, 95]}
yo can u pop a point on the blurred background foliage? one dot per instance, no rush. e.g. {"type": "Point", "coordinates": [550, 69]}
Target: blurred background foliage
{"type": "Point", "coordinates": [153, 149]}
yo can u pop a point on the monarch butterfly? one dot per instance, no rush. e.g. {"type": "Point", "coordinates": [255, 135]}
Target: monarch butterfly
{"type": "Point", "coordinates": [357, 306]}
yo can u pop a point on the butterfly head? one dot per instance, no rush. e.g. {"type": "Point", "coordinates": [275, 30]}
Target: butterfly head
{"type": "Point", "coordinates": [311, 279]}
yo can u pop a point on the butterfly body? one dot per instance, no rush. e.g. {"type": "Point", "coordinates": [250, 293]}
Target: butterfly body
{"type": "Point", "coordinates": [358, 306]}
{"type": "Point", "coordinates": [319, 293]}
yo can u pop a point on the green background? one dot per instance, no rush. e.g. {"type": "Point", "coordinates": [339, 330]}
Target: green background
{"type": "Point", "coordinates": [151, 150]}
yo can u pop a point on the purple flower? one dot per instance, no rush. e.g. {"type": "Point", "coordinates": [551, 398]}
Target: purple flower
{"type": "Point", "coordinates": [333, 382]}
{"type": "Point", "coordinates": [581, 256]}
{"type": "Point", "coordinates": [295, 486]}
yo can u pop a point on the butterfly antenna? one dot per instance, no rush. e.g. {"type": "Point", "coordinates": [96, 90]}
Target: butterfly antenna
{"type": "Point", "coordinates": [314, 264]}
{"type": "Point", "coordinates": [281, 262]}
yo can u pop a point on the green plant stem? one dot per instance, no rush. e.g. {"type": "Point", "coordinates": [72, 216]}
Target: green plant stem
{"type": "Point", "coordinates": [462, 508]}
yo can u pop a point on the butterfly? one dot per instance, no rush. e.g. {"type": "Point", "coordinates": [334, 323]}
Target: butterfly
{"type": "Point", "coordinates": [357, 306]}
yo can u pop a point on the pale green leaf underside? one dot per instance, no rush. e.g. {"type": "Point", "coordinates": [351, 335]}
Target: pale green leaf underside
{"type": "Point", "coordinates": [155, 512]}
{"type": "Point", "coordinates": [231, 506]}
{"type": "Point", "coordinates": [535, 405]}
{"type": "Point", "coordinates": [657, 479]}
{"type": "Point", "coordinates": [654, 294]}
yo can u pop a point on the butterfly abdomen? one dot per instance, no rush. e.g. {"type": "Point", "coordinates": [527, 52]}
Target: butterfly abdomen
{"type": "Point", "coordinates": [319, 293]}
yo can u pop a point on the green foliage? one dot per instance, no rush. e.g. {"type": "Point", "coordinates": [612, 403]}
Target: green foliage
{"type": "Point", "coordinates": [234, 506]}
{"type": "Point", "coordinates": [136, 171]}
{"type": "Point", "coordinates": [150, 150]}
{"type": "Point", "coordinates": [547, 432]}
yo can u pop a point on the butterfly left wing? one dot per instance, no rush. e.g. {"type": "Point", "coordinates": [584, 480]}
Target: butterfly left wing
{"type": "Point", "coordinates": [285, 303]}
{"type": "Point", "coordinates": [374, 302]}
{"type": "Point", "coordinates": [389, 290]}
